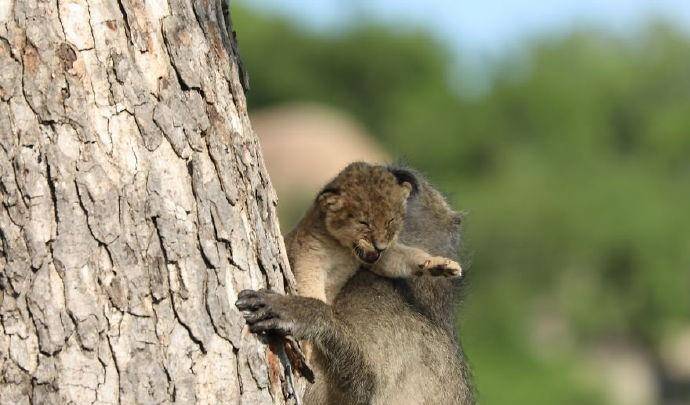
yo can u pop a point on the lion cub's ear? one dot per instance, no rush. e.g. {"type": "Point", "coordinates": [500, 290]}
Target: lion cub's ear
{"type": "Point", "coordinates": [407, 188]}
{"type": "Point", "coordinates": [406, 179]}
{"type": "Point", "coordinates": [330, 199]}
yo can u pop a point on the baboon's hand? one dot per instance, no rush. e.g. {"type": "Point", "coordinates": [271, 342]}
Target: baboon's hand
{"type": "Point", "coordinates": [269, 312]}
{"type": "Point", "coordinates": [440, 266]}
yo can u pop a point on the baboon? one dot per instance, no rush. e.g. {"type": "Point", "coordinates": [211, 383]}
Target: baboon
{"type": "Point", "coordinates": [383, 340]}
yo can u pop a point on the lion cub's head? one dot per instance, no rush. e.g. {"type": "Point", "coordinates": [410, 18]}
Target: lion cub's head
{"type": "Point", "coordinates": [364, 207]}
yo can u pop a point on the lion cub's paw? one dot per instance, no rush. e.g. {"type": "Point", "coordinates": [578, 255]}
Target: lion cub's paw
{"type": "Point", "coordinates": [440, 266]}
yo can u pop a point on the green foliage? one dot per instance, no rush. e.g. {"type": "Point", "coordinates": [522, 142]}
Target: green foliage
{"type": "Point", "coordinates": [574, 166]}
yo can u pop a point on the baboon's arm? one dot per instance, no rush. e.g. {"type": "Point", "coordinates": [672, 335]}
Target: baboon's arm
{"type": "Point", "coordinates": [312, 320]}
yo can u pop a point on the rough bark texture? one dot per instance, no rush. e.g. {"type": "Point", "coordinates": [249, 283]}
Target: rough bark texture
{"type": "Point", "coordinates": [135, 204]}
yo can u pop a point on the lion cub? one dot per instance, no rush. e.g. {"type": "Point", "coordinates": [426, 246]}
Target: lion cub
{"type": "Point", "coordinates": [355, 221]}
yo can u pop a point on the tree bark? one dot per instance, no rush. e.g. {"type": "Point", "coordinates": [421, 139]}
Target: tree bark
{"type": "Point", "coordinates": [135, 205]}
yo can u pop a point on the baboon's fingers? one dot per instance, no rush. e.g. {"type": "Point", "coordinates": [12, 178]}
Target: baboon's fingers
{"type": "Point", "coordinates": [259, 315]}
{"type": "Point", "coordinates": [272, 325]}
{"type": "Point", "coordinates": [249, 300]}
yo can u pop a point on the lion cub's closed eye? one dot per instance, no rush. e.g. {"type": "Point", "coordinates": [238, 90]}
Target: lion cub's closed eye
{"type": "Point", "coordinates": [355, 221]}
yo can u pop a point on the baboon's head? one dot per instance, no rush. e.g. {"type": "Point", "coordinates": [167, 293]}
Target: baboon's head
{"type": "Point", "coordinates": [364, 208]}
{"type": "Point", "coordinates": [430, 222]}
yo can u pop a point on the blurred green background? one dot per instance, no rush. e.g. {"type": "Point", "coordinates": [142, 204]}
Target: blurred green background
{"type": "Point", "coordinates": [570, 149]}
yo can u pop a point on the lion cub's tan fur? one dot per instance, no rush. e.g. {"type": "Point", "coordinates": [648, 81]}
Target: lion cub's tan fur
{"type": "Point", "coordinates": [355, 221]}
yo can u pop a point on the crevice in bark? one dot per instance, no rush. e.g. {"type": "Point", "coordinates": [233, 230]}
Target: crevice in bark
{"type": "Point", "coordinates": [85, 211]}
{"type": "Point", "coordinates": [170, 43]}
{"type": "Point", "coordinates": [105, 371]}
{"type": "Point", "coordinates": [27, 99]}
{"type": "Point", "coordinates": [9, 48]}
{"type": "Point", "coordinates": [218, 168]}
{"type": "Point", "coordinates": [112, 353]}
{"type": "Point", "coordinates": [234, 50]}
{"type": "Point", "coordinates": [53, 196]}
{"type": "Point", "coordinates": [173, 294]}
{"type": "Point", "coordinates": [59, 17]}
{"type": "Point", "coordinates": [194, 339]}
{"type": "Point", "coordinates": [93, 37]}
{"type": "Point", "coordinates": [239, 365]}
{"type": "Point", "coordinates": [125, 19]}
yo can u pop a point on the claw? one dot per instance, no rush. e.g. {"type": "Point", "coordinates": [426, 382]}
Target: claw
{"type": "Point", "coordinates": [247, 293]}
{"type": "Point", "coordinates": [249, 304]}
{"type": "Point", "coordinates": [249, 300]}
{"type": "Point", "coordinates": [272, 325]}
{"type": "Point", "coordinates": [439, 266]}
{"type": "Point", "coordinates": [259, 315]}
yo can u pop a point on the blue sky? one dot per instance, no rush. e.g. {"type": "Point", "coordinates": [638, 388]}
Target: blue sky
{"type": "Point", "coordinates": [481, 27]}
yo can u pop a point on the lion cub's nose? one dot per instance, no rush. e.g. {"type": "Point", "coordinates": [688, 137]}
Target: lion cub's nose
{"type": "Point", "coordinates": [380, 247]}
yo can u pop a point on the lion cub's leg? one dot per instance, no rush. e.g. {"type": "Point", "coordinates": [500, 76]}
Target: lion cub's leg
{"type": "Point", "coordinates": [401, 261]}
{"type": "Point", "coordinates": [310, 274]}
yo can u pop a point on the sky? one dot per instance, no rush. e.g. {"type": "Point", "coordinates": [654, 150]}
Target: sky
{"type": "Point", "coordinates": [481, 26]}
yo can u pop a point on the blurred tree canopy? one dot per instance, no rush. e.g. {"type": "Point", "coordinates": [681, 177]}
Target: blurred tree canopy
{"type": "Point", "coordinates": [574, 166]}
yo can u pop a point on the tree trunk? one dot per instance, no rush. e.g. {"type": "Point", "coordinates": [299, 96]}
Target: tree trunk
{"type": "Point", "coordinates": [135, 205]}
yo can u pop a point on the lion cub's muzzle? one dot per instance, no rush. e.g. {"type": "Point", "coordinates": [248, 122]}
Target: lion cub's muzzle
{"type": "Point", "coordinates": [368, 255]}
